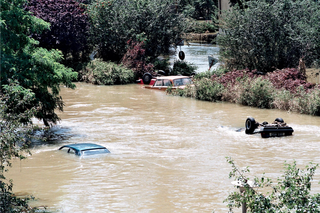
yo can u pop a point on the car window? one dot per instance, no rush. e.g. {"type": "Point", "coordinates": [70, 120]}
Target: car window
{"type": "Point", "coordinates": [94, 151]}
{"type": "Point", "coordinates": [182, 81]}
{"type": "Point", "coordinates": [166, 82]}
{"type": "Point", "coordinates": [186, 81]}
{"type": "Point", "coordinates": [158, 83]}
{"type": "Point", "coordinates": [177, 82]}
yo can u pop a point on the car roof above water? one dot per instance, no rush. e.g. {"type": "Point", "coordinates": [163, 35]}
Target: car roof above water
{"type": "Point", "coordinates": [83, 146]}
{"type": "Point", "coordinates": [172, 77]}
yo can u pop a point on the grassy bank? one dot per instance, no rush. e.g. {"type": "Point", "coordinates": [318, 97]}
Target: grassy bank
{"type": "Point", "coordinates": [285, 89]}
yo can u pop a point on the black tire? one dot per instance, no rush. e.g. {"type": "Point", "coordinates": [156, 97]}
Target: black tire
{"type": "Point", "coordinates": [181, 55]}
{"type": "Point", "coordinates": [279, 120]}
{"type": "Point", "coordinates": [250, 125]}
{"type": "Point", "coordinates": [161, 72]}
{"type": "Point", "coordinates": [146, 78]}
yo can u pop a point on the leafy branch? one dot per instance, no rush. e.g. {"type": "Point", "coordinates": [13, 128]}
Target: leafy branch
{"type": "Point", "coordinates": [291, 194]}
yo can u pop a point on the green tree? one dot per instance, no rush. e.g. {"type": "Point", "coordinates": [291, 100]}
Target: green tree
{"type": "Point", "coordinates": [34, 68]}
{"type": "Point", "coordinates": [290, 194]}
{"type": "Point", "coordinates": [113, 23]}
{"type": "Point", "coordinates": [199, 8]}
{"type": "Point", "coordinates": [267, 35]}
{"type": "Point", "coordinates": [14, 131]}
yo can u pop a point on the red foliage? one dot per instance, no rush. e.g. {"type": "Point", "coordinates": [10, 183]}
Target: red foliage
{"type": "Point", "coordinates": [288, 79]}
{"type": "Point", "coordinates": [135, 58]}
{"type": "Point", "coordinates": [69, 25]}
{"type": "Point", "coordinates": [230, 78]}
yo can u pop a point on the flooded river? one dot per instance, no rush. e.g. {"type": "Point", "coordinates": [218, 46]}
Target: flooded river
{"type": "Point", "coordinates": [197, 54]}
{"type": "Point", "coordinates": [167, 153]}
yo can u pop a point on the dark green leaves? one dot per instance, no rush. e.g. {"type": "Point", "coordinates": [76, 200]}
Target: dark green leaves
{"type": "Point", "coordinates": [113, 23]}
{"type": "Point", "coordinates": [35, 69]}
{"type": "Point", "coordinates": [270, 34]}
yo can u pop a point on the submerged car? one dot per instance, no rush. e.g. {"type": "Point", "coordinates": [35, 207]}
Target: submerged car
{"type": "Point", "coordinates": [82, 149]}
{"type": "Point", "coordinates": [276, 129]}
{"type": "Point", "coordinates": [174, 82]}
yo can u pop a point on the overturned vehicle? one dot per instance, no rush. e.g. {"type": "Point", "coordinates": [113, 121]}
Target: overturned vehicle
{"type": "Point", "coordinates": [276, 129]}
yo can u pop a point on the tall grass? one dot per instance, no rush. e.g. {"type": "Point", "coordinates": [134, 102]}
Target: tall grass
{"type": "Point", "coordinates": [282, 99]}
{"type": "Point", "coordinates": [307, 102]}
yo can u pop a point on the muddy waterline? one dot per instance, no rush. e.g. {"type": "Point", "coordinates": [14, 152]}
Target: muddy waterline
{"type": "Point", "coordinates": [167, 153]}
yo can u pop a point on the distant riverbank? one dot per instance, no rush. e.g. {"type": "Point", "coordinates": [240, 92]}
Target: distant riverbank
{"type": "Point", "coordinates": [201, 37]}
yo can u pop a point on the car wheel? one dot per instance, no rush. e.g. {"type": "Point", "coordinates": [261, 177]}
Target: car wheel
{"type": "Point", "coordinates": [181, 55]}
{"type": "Point", "coordinates": [146, 78]}
{"type": "Point", "coordinates": [279, 120]}
{"type": "Point", "coordinates": [250, 125]}
{"type": "Point", "coordinates": [161, 72]}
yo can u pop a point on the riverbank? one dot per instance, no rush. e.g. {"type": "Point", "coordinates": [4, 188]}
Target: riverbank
{"type": "Point", "coordinates": [285, 89]}
{"type": "Point", "coordinates": [313, 75]}
{"type": "Point", "coordinates": [201, 37]}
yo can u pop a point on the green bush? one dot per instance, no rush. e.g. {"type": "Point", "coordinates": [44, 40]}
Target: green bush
{"type": "Point", "coordinates": [183, 68]}
{"type": "Point", "coordinates": [14, 141]}
{"type": "Point", "coordinates": [35, 68]}
{"type": "Point", "coordinates": [114, 23]}
{"type": "Point", "coordinates": [282, 100]}
{"type": "Point", "coordinates": [198, 9]}
{"type": "Point", "coordinates": [257, 93]}
{"type": "Point", "coordinates": [162, 64]}
{"type": "Point", "coordinates": [208, 90]}
{"type": "Point", "coordinates": [208, 73]}
{"type": "Point", "coordinates": [188, 91]}
{"type": "Point", "coordinates": [291, 193]}
{"type": "Point", "coordinates": [107, 73]}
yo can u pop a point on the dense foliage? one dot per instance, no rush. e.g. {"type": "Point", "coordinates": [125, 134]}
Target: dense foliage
{"type": "Point", "coordinates": [208, 90]}
{"type": "Point", "coordinates": [68, 31]}
{"type": "Point", "coordinates": [32, 67]}
{"type": "Point", "coordinates": [113, 23]}
{"type": "Point", "coordinates": [107, 73]}
{"type": "Point", "coordinates": [135, 59]}
{"type": "Point", "coordinates": [291, 193]}
{"type": "Point", "coordinates": [183, 68]}
{"type": "Point", "coordinates": [267, 35]}
{"type": "Point", "coordinates": [257, 93]}
{"type": "Point", "coordinates": [13, 141]}
{"type": "Point", "coordinates": [286, 79]}
{"type": "Point", "coordinates": [198, 9]}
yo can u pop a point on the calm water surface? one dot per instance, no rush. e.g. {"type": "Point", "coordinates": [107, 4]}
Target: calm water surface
{"type": "Point", "coordinates": [167, 153]}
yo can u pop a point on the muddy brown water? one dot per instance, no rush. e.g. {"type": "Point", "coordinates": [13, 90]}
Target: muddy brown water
{"type": "Point", "coordinates": [167, 153]}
